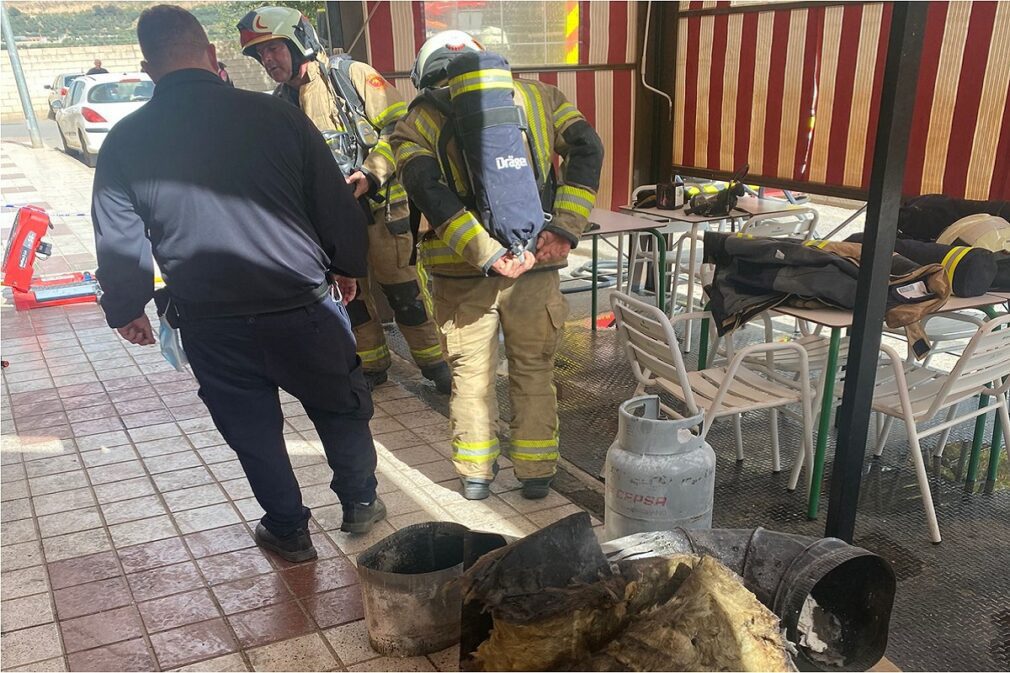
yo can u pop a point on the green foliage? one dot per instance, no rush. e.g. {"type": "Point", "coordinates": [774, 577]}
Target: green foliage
{"type": "Point", "coordinates": [116, 23]}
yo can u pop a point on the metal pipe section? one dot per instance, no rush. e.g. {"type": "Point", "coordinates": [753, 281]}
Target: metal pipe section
{"type": "Point", "coordinates": [848, 590]}
{"type": "Point", "coordinates": [19, 79]}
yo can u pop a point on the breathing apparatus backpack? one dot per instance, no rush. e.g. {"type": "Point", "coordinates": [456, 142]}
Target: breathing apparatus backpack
{"type": "Point", "coordinates": [507, 190]}
{"type": "Point", "coordinates": [351, 146]}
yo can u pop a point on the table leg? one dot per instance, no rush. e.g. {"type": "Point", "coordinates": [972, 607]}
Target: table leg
{"type": "Point", "coordinates": [824, 424]}
{"type": "Point", "coordinates": [596, 251]}
{"type": "Point", "coordinates": [703, 346]}
{"type": "Point", "coordinates": [976, 446]}
{"type": "Point", "coordinates": [661, 249]}
{"type": "Point", "coordinates": [994, 451]}
{"type": "Point", "coordinates": [620, 261]}
{"type": "Point", "coordinates": [976, 439]}
{"type": "Point", "coordinates": [692, 257]}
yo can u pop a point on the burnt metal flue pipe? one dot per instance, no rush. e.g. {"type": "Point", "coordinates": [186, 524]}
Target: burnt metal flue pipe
{"type": "Point", "coordinates": [854, 585]}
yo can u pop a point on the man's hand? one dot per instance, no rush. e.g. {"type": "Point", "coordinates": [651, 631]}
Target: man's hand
{"type": "Point", "coordinates": [348, 288]}
{"type": "Point", "coordinates": [511, 267]}
{"type": "Point", "coordinates": [551, 247]}
{"type": "Point", "coordinates": [138, 331]}
{"type": "Point", "coordinates": [359, 182]}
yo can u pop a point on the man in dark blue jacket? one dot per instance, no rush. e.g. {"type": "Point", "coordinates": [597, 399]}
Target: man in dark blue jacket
{"type": "Point", "coordinates": [240, 200]}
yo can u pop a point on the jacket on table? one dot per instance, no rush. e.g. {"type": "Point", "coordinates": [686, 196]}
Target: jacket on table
{"type": "Point", "coordinates": [753, 275]}
{"type": "Point", "coordinates": [458, 244]}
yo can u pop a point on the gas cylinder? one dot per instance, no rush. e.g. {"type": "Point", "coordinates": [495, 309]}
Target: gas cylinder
{"type": "Point", "coordinates": [659, 474]}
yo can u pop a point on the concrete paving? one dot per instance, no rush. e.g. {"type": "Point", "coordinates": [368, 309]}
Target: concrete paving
{"type": "Point", "coordinates": [127, 521]}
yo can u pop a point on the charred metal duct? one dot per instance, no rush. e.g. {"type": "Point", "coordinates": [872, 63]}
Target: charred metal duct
{"type": "Point", "coordinates": [834, 599]}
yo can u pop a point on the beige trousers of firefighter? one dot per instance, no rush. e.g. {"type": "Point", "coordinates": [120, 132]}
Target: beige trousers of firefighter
{"type": "Point", "coordinates": [391, 273]}
{"type": "Point", "coordinates": [531, 312]}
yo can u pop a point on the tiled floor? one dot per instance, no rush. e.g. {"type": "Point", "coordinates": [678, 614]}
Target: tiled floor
{"type": "Point", "coordinates": [126, 522]}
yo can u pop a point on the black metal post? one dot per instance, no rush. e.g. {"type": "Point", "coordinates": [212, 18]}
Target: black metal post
{"type": "Point", "coordinates": [897, 101]}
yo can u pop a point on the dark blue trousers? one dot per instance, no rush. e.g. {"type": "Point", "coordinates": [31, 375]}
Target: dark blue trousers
{"type": "Point", "coordinates": [241, 363]}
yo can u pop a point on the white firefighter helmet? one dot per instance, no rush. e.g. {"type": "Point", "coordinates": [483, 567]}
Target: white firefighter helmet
{"type": "Point", "coordinates": [435, 54]}
{"type": "Point", "coordinates": [272, 23]}
{"type": "Point", "coordinates": [980, 231]}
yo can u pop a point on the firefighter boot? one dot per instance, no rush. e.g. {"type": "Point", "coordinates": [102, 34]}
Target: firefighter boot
{"type": "Point", "coordinates": [479, 489]}
{"type": "Point", "coordinates": [374, 379]}
{"type": "Point", "coordinates": [440, 375]}
{"type": "Point", "coordinates": [536, 489]}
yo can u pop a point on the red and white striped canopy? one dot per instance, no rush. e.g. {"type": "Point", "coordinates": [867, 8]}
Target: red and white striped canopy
{"type": "Point", "coordinates": [795, 92]}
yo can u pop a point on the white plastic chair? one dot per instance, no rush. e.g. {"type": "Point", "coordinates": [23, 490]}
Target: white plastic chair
{"type": "Point", "coordinates": [801, 224]}
{"type": "Point", "coordinates": [916, 395]}
{"type": "Point", "coordinates": [650, 343]}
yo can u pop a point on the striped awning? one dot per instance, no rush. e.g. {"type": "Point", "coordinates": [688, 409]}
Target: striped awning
{"type": "Point", "coordinates": [795, 92]}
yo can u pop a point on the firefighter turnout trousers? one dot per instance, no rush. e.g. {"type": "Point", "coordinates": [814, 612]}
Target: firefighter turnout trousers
{"type": "Point", "coordinates": [391, 272]}
{"type": "Point", "coordinates": [530, 311]}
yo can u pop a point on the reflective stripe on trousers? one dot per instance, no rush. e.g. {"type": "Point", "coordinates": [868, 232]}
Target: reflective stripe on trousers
{"type": "Point", "coordinates": [530, 312]}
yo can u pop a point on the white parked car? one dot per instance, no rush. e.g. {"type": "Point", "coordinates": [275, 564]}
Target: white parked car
{"type": "Point", "coordinates": [59, 88]}
{"type": "Point", "coordinates": [93, 106]}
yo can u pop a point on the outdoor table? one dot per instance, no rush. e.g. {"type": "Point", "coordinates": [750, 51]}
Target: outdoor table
{"type": "Point", "coordinates": [746, 207]}
{"type": "Point", "coordinates": [837, 320]}
{"type": "Point", "coordinates": [608, 223]}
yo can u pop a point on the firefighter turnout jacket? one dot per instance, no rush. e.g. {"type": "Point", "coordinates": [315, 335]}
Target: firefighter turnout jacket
{"type": "Point", "coordinates": [460, 246]}
{"type": "Point", "coordinates": [383, 108]}
{"type": "Point", "coordinates": [390, 241]}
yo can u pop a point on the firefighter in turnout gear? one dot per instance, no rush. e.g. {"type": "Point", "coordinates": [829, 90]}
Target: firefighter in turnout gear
{"type": "Point", "coordinates": [481, 284]}
{"type": "Point", "coordinates": [356, 109]}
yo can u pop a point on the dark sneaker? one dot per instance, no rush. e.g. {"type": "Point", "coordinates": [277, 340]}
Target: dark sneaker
{"type": "Point", "coordinates": [476, 489]}
{"type": "Point", "coordinates": [296, 547]}
{"type": "Point", "coordinates": [440, 375]}
{"type": "Point", "coordinates": [535, 489]}
{"type": "Point", "coordinates": [375, 379]}
{"type": "Point", "coordinates": [360, 518]}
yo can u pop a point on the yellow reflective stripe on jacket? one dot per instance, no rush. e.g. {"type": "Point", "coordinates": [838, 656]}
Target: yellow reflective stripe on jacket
{"type": "Point", "coordinates": [375, 354]}
{"type": "Point", "coordinates": [574, 200]}
{"type": "Point", "coordinates": [461, 231]}
{"type": "Point", "coordinates": [953, 258]}
{"type": "Point", "coordinates": [407, 151]}
{"type": "Point", "coordinates": [383, 149]}
{"type": "Point", "coordinates": [396, 194]}
{"type": "Point", "coordinates": [391, 114]}
{"type": "Point", "coordinates": [426, 126]}
{"type": "Point", "coordinates": [564, 113]}
{"type": "Point", "coordinates": [538, 124]}
{"type": "Point", "coordinates": [816, 244]}
{"type": "Point", "coordinates": [434, 252]}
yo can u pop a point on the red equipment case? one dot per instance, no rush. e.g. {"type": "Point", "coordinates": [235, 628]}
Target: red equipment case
{"type": "Point", "coordinates": [24, 245]}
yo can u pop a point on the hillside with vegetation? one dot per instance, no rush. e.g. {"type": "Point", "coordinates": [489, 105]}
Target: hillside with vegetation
{"type": "Point", "coordinates": [85, 24]}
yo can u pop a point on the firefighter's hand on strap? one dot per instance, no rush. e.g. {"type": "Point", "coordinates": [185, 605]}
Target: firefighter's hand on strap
{"type": "Point", "coordinates": [138, 331]}
{"type": "Point", "coordinates": [358, 181]}
{"type": "Point", "coordinates": [551, 247]}
{"type": "Point", "coordinates": [511, 266]}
